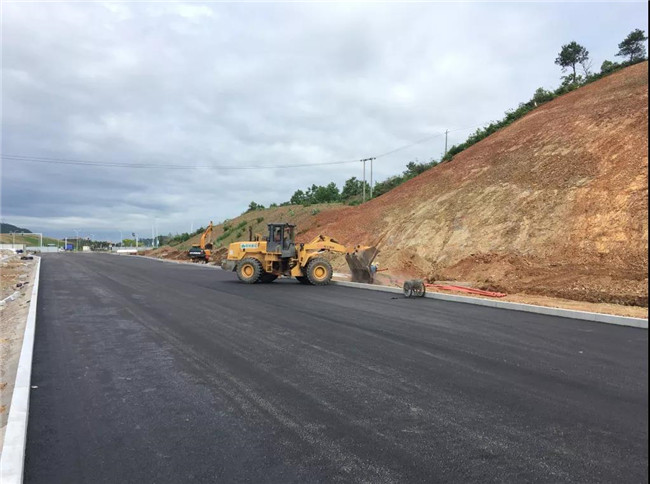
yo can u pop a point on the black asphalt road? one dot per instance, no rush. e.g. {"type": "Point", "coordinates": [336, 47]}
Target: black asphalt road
{"type": "Point", "coordinates": [153, 372]}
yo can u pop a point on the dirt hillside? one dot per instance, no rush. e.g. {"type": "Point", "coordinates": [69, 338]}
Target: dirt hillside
{"type": "Point", "coordinates": [555, 204]}
{"type": "Point", "coordinates": [305, 218]}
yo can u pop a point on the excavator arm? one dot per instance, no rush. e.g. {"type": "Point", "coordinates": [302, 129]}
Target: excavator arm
{"type": "Point", "coordinates": [202, 251]}
{"type": "Point", "coordinates": [206, 235]}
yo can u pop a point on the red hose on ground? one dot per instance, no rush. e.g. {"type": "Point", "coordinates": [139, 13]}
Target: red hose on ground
{"type": "Point", "coordinates": [469, 290]}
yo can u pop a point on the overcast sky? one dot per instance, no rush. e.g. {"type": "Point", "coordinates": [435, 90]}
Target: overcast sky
{"type": "Point", "coordinates": [255, 84]}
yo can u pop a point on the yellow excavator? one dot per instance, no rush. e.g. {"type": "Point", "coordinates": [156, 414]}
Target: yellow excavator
{"type": "Point", "coordinates": [266, 258]}
{"type": "Point", "coordinates": [201, 252]}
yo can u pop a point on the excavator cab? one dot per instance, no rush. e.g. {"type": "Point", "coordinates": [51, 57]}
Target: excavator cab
{"type": "Point", "coordinates": [281, 240]}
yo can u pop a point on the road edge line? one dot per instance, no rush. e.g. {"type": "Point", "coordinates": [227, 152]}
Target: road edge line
{"type": "Point", "coordinates": [529, 308]}
{"type": "Point", "coordinates": [12, 460]}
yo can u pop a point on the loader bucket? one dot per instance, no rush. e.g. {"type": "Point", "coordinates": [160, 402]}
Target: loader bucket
{"type": "Point", "coordinates": [359, 262]}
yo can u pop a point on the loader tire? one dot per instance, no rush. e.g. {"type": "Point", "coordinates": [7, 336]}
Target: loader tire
{"type": "Point", "coordinates": [302, 280]}
{"type": "Point", "coordinates": [266, 278]}
{"type": "Point", "coordinates": [319, 272]}
{"type": "Point", "coordinates": [249, 270]}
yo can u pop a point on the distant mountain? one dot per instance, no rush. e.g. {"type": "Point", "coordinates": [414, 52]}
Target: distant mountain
{"type": "Point", "coordinates": [8, 228]}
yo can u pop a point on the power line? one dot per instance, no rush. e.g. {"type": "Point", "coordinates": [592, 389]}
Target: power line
{"type": "Point", "coordinates": [425, 139]}
{"type": "Point", "coordinates": [176, 166]}
{"type": "Point", "coordinates": [65, 161]}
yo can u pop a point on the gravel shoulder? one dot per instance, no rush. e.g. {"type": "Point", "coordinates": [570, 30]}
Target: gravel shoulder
{"type": "Point", "coordinates": [13, 316]}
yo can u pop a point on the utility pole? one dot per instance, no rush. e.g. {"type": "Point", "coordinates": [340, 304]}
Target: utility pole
{"type": "Point", "coordinates": [446, 133]}
{"type": "Point", "coordinates": [364, 177]}
{"type": "Point", "coordinates": [372, 180]}
{"type": "Point", "coordinates": [363, 187]}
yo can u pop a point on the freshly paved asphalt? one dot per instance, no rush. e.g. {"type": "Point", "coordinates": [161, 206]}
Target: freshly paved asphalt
{"type": "Point", "coordinates": [153, 372]}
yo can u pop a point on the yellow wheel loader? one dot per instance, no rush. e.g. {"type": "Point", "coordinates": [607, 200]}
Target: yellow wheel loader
{"type": "Point", "coordinates": [266, 258]}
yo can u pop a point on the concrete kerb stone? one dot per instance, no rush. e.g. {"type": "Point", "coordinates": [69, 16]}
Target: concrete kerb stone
{"type": "Point", "coordinates": [12, 460]}
{"type": "Point", "coordinates": [530, 308]}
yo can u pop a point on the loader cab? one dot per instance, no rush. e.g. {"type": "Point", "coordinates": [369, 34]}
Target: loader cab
{"type": "Point", "coordinates": [281, 239]}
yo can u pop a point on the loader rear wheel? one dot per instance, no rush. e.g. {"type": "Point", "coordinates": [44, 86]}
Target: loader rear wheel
{"type": "Point", "coordinates": [266, 278]}
{"type": "Point", "coordinates": [319, 272]}
{"type": "Point", "coordinates": [249, 270]}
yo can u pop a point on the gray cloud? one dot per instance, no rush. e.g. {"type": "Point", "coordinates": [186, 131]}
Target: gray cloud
{"type": "Point", "coordinates": [255, 84]}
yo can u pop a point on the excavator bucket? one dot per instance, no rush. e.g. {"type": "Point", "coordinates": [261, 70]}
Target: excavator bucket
{"type": "Point", "coordinates": [360, 261]}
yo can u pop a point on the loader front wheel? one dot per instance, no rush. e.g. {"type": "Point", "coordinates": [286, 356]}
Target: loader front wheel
{"type": "Point", "coordinates": [249, 270]}
{"type": "Point", "coordinates": [319, 272]}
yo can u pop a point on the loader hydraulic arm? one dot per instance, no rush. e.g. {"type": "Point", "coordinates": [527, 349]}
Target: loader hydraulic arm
{"type": "Point", "coordinates": [323, 242]}
{"type": "Point", "coordinates": [359, 258]}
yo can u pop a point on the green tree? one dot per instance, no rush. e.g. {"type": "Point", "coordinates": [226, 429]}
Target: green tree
{"type": "Point", "coordinates": [298, 198]}
{"type": "Point", "coordinates": [632, 46]}
{"type": "Point", "coordinates": [570, 56]}
{"type": "Point", "coordinates": [542, 96]}
{"type": "Point", "coordinates": [413, 168]}
{"type": "Point", "coordinates": [323, 194]}
{"type": "Point", "coordinates": [608, 67]}
{"type": "Point", "coordinates": [254, 206]}
{"type": "Point", "coordinates": [353, 187]}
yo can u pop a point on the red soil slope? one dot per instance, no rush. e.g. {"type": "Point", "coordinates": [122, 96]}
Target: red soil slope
{"type": "Point", "coordinates": [555, 204]}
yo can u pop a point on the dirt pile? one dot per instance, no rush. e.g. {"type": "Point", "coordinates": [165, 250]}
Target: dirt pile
{"type": "Point", "coordinates": [555, 204]}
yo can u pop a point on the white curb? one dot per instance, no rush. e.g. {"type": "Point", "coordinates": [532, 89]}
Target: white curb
{"type": "Point", "coordinates": [12, 461]}
{"type": "Point", "coordinates": [529, 308]}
